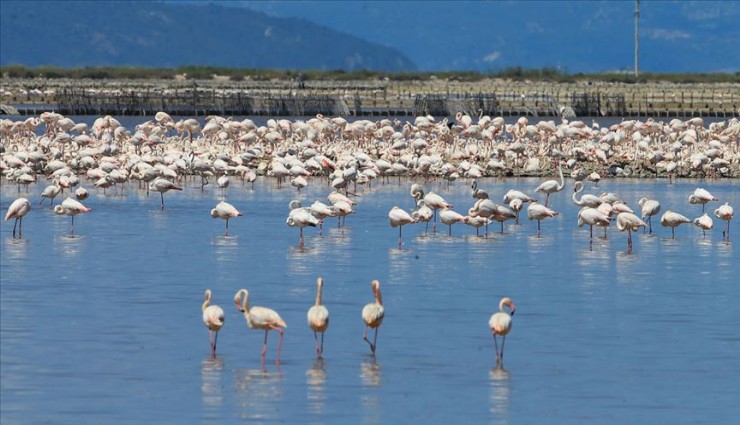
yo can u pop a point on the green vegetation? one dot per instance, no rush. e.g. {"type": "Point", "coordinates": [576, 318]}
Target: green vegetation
{"type": "Point", "coordinates": [232, 74]}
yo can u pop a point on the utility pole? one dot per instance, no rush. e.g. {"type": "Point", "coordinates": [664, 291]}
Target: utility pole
{"type": "Point", "coordinates": [637, 38]}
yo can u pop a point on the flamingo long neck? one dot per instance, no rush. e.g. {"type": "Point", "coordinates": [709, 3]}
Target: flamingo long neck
{"type": "Point", "coordinates": [378, 296]}
{"type": "Point", "coordinates": [319, 286]}
{"type": "Point", "coordinates": [245, 302]}
{"type": "Point", "coordinates": [562, 179]}
{"type": "Point", "coordinates": [207, 301]}
{"type": "Point", "coordinates": [578, 190]}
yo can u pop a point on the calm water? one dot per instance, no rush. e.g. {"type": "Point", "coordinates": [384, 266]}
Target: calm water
{"type": "Point", "coordinates": [106, 327]}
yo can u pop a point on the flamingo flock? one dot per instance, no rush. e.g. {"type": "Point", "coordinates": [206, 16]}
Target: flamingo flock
{"type": "Point", "coordinates": [162, 155]}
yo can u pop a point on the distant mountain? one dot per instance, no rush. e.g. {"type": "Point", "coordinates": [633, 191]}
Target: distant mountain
{"type": "Point", "coordinates": [574, 36]}
{"type": "Point", "coordinates": [155, 34]}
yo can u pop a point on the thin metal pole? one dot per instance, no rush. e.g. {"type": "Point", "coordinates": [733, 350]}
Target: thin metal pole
{"type": "Point", "coordinates": [637, 38]}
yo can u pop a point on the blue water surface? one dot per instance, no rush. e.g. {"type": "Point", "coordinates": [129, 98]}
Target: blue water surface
{"type": "Point", "coordinates": [105, 326]}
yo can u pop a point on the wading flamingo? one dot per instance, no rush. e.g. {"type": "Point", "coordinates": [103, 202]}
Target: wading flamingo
{"type": "Point", "coordinates": [318, 318]}
{"type": "Point", "coordinates": [263, 318]}
{"type": "Point", "coordinates": [552, 186]}
{"type": "Point", "coordinates": [372, 315]}
{"type": "Point", "coordinates": [398, 218]}
{"type": "Point", "coordinates": [71, 208]}
{"type": "Point", "coordinates": [701, 196]}
{"type": "Point", "coordinates": [225, 210]}
{"type": "Point", "coordinates": [650, 207]}
{"type": "Point", "coordinates": [500, 324]}
{"type": "Point", "coordinates": [673, 219]}
{"type": "Point", "coordinates": [163, 185]}
{"type": "Point", "coordinates": [704, 223]}
{"type": "Point", "coordinates": [539, 212]}
{"type": "Point", "coordinates": [630, 223]}
{"type": "Point", "coordinates": [17, 210]}
{"type": "Point", "coordinates": [724, 212]}
{"type": "Point", "coordinates": [213, 318]}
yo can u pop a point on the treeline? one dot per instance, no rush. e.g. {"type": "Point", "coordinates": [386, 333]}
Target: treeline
{"type": "Point", "coordinates": [233, 74]}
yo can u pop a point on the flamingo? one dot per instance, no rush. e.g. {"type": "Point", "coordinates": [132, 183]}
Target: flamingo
{"type": "Point", "coordinates": [552, 186]}
{"type": "Point", "coordinates": [81, 193]}
{"type": "Point", "coordinates": [587, 200]}
{"type": "Point", "coordinates": [398, 218]}
{"type": "Point", "coordinates": [417, 192]}
{"type": "Point", "coordinates": [478, 193]}
{"type": "Point", "coordinates": [213, 318]}
{"type": "Point", "coordinates": [50, 192]}
{"type": "Point", "coordinates": [300, 217]}
{"type": "Point", "coordinates": [163, 185]}
{"type": "Point", "coordinates": [435, 202]}
{"type": "Point", "coordinates": [650, 207]}
{"type": "Point", "coordinates": [321, 211]}
{"type": "Point", "coordinates": [629, 222]}
{"type": "Point", "coordinates": [516, 205]}
{"type": "Point", "coordinates": [318, 318]}
{"type": "Point", "coordinates": [516, 194]}
{"type": "Point", "coordinates": [673, 219]}
{"type": "Point", "coordinates": [449, 217]}
{"type": "Point", "coordinates": [500, 324]}
{"type": "Point", "coordinates": [263, 318]}
{"type": "Point", "coordinates": [19, 208]}
{"type": "Point", "coordinates": [592, 216]}
{"type": "Point", "coordinates": [701, 196]}
{"type": "Point", "coordinates": [704, 222]}
{"type": "Point", "coordinates": [423, 213]}
{"type": "Point", "coordinates": [724, 212]}
{"type": "Point", "coordinates": [539, 212]}
{"type": "Point", "coordinates": [225, 211]}
{"type": "Point", "coordinates": [372, 315]}
{"type": "Point", "coordinates": [71, 208]}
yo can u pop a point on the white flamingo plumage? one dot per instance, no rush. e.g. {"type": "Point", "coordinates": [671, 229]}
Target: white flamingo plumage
{"type": "Point", "coordinates": [500, 324]}
{"type": "Point", "coordinates": [262, 318]}
{"type": "Point", "coordinates": [213, 319]}
{"type": "Point", "coordinates": [17, 210]}
{"type": "Point", "coordinates": [318, 318]}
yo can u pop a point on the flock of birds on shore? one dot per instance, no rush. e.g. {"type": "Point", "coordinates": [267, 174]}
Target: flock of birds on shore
{"type": "Point", "coordinates": [161, 153]}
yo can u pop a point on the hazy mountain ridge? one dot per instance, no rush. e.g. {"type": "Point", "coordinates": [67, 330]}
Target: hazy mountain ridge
{"type": "Point", "coordinates": [77, 34]}
{"type": "Point", "coordinates": [576, 36]}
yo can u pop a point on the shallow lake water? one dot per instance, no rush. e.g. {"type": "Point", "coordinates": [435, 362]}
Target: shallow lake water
{"type": "Point", "coordinates": [105, 326]}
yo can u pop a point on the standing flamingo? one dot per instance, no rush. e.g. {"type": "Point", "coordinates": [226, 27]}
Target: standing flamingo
{"type": "Point", "coordinates": [17, 210]}
{"type": "Point", "coordinates": [592, 216]}
{"type": "Point", "coordinates": [300, 217]}
{"type": "Point", "coordinates": [500, 324]}
{"type": "Point", "coordinates": [213, 318]}
{"type": "Point", "coordinates": [398, 218]}
{"type": "Point", "coordinates": [260, 318]}
{"type": "Point", "coordinates": [450, 217]}
{"type": "Point", "coordinates": [539, 212]}
{"type": "Point", "coordinates": [701, 196]}
{"type": "Point", "coordinates": [318, 318]}
{"type": "Point", "coordinates": [225, 211]}
{"type": "Point", "coordinates": [650, 207]}
{"type": "Point", "coordinates": [163, 185]}
{"type": "Point", "coordinates": [629, 222]}
{"type": "Point", "coordinates": [673, 219]}
{"type": "Point", "coordinates": [552, 186]}
{"type": "Point", "coordinates": [435, 202]}
{"type": "Point", "coordinates": [704, 223]}
{"type": "Point", "coordinates": [724, 212]}
{"type": "Point", "coordinates": [372, 315]}
{"type": "Point", "coordinates": [71, 208]}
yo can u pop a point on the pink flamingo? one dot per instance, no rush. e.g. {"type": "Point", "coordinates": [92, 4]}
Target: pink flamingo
{"type": "Point", "coordinates": [372, 315]}
{"type": "Point", "coordinates": [500, 324]}
{"type": "Point", "coordinates": [213, 318]}
{"type": "Point", "coordinates": [19, 208]}
{"type": "Point", "coordinates": [318, 318]}
{"type": "Point", "coordinates": [260, 318]}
